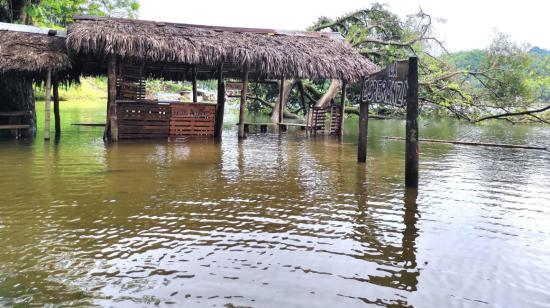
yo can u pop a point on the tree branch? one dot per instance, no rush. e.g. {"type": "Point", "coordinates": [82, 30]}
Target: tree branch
{"type": "Point", "coordinates": [510, 114]}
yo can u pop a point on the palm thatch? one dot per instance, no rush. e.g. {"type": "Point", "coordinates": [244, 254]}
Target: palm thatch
{"type": "Point", "coordinates": [267, 52]}
{"type": "Point", "coordinates": [32, 55]}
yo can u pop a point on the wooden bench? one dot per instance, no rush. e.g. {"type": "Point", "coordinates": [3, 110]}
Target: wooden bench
{"type": "Point", "coordinates": [14, 116]}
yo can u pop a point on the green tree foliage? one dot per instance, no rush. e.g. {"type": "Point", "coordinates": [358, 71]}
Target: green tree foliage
{"type": "Point", "coordinates": [499, 82]}
{"type": "Point", "coordinates": [59, 13]}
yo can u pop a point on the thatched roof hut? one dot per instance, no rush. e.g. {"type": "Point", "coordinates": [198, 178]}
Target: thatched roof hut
{"type": "Point", "coordinates": [268, 53]}
{"type": "Point", "coordinates": [32, 55]}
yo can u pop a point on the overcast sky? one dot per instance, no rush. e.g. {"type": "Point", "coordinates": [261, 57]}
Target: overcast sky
{"type": "Point", "coordinates": [469, 23]}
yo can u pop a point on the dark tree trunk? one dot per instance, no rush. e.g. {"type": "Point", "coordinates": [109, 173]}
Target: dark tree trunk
{"type": "Point", "coordinates": [16, 94]}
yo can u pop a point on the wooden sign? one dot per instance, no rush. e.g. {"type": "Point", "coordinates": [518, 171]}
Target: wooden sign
{"type": "Point", "coordinates": [389, 86]}
{"type": "Point", "coordinates": [234, 86]}
{"type": "Point", "coordinates": [396, 85]}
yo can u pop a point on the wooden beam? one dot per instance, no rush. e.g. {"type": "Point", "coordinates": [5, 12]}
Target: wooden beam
{"type": "Point", "coordinates": [342, 109]}
{"type": "Point", "coordinates": [302, 96]}
{"type": "Point", "coordinates": [194, 72]}
{"type": "Point", "coordinates": [411, 143]}
{"type": "Point", "coordinates": [107, 130]}
{"type": "Point", "coordinates": [111, 78]}
{"type": "Point", "coordinates": [220, 104]}
{"type": "Point", "coordinates": [281, 96]}
{"type": "Point", "coordinates": [363, 131]}
{"type": "Point", "coordinates": [47, 105]}
{"type": "Point", "coordinates": [57, 117]}
{"type": "Point", "coordinates": [242, 110]}
{"type": "Point", "coordinates": [484, 144]}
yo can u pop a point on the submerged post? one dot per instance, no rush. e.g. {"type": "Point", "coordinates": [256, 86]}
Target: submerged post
{"type": "Point", "coordinates": [342, 109]}
{"type": "Point", "coordinates": [281, 96]}
{"type": "Point", "coordinates": [411, 143]}
{"type": "Point", "coordinates": [220, 104]}
{"type": "Point", "coordinates": [194, 84]}
{"type": "Point", "coordinates": [47, 105]}
{"type": "Point", "coordinates": [363, 131]}
{"type": "Point", "coordinates": [244, 93]}
{"type": "Point", "coordinates": [57, 117]}
{"type": "Point", "coordinates": [113, 120]}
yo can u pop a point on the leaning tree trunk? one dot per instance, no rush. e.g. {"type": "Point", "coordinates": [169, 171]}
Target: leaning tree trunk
{"type": "Point", "coordinates": [325, 100]}
{"type": "Point", "coordinates": [287, 88]}
{"type": "Point", "coordinates": [16, 94]}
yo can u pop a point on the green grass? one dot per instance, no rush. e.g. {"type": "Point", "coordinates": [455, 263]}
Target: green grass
{"type": "Point", "coordinates": [89, 89]}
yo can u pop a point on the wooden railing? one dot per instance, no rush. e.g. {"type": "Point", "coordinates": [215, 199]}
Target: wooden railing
{"type": "Point", "coordinates": [145, 119]}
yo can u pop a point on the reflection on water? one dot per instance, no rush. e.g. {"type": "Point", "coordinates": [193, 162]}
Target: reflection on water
{"type": "Point", "coordinates": [277, 220]}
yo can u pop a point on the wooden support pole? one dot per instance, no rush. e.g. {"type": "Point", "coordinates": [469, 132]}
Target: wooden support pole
{"type": "Point", "coordinates": [411, 143]}
{"type": "Point", "coordinates": [47, 105]}
{"type": "Point", "coordinates": [363, 131]}
{"type": "Point", "coordinates": [57, 117]}
{"type": "Point", "coordinates": [194, 84]}
{"type": "Point", "coordinates": [111, 78]}
{"type": "Point", "coordinates": [107, 130]}
{"type": "Point", "coordinates": [302, 96]}
{"type": "Point", "coordinates": [342, 109]}
{"type": "Point", "coordinates": [220, 104]}
{"type": "Point", "coordinates": [281, 95]}
{"type": "Point", "coordinates": [242, 109]}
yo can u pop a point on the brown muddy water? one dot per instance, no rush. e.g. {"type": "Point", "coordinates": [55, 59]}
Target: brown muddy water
{"type": "Point", "coordinates": [275, 221]}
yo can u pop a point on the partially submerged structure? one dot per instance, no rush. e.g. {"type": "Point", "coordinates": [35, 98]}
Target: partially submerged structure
{"type": "Point", "coordinates": [30, 55]}
{"type": "Point", "coordinates": [130, 51]}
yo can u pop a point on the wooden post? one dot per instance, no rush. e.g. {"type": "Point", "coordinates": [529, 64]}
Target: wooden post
{"type": "Point", "coordinates": [47, 105]}
{"type": "Point", "coordinates": [363, 131]}
{"type": "Point", "coordinates": [220, 104]}
{"type": "Point", "coordinates": [57, 117]}
{"type": "Point", "coordinates": [342, 109]}
{"type": "Point", "coordinates": [242, 110]}
{"type": "Point", "coordinates": [194, 84]}
{"type": "Point", "coordinates": [281, 94]}
{"type": "Point", "coordinates": [411, 143]}
{"type": "Point", "coordinates": [111, 78]}
{"type": "Point", "coordinates": [107, 130]}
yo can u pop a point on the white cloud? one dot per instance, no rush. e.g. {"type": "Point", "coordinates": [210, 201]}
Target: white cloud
{"type": "Point", "coordinates": [469, 23]}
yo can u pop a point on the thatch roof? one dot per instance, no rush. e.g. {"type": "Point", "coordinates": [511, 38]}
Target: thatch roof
{"type": "Point", "coordinates": [269, 53]}
{"type": "Point", "coordinates": [32, 54]}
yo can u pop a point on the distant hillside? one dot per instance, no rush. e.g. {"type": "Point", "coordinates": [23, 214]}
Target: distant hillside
{"type": "Point", "coordinates": [467, 60]}
{"type": "Point", "coordinates": [472, 59]}
{"type": "Point", "coordinates": [540, 51]}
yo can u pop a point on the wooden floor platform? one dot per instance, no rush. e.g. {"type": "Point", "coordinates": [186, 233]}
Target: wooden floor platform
{"type": "Point", "coordinates": [264, 126]}
{"type": "Point", "coordinates": [15, 126]}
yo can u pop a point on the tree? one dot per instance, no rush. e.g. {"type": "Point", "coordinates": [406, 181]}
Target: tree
{"type": "Point", "coordinates": [498, 86]}
{"type": "Point", "coordinates": [59, 13]}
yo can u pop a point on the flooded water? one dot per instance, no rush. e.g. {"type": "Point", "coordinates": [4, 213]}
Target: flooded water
{"type": "Point", "coordinates": [275, 221]}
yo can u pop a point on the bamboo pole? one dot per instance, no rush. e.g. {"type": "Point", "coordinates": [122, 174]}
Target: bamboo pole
{"type": "Point", "coordinates": [47, 105]}
{"type": "Point", "coordinates": [57, 117]}
{"type": "Point", "coordinates": [242, 110]}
